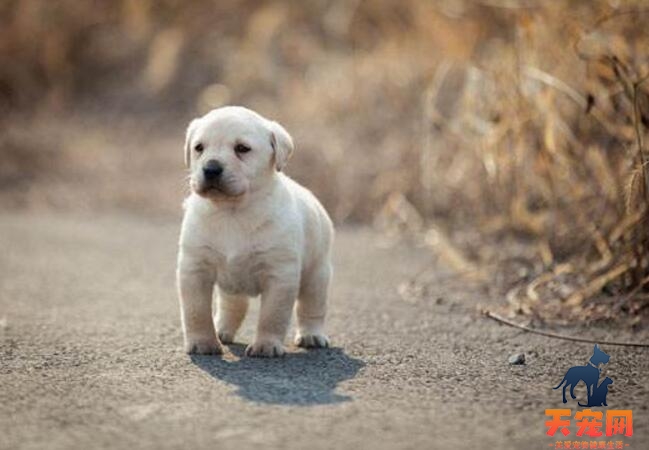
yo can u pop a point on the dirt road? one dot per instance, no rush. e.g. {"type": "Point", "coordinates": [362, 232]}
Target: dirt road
{"type": "Point", "coordinates": [90, 355]}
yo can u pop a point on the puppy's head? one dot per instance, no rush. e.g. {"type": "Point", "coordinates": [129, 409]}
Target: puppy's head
{"type": "Point", "coordinates": [232, 151]}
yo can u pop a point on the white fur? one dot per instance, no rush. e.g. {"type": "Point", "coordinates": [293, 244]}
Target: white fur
{"type": "Point", "coordinates": [257, 233]}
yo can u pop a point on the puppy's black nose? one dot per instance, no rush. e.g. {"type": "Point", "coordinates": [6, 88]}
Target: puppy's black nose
{"type": "Point", "coordinates": [212, 170]}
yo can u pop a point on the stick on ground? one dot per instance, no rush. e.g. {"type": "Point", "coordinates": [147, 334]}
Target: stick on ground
{"type": "Point", "coordinates": [498, 318]}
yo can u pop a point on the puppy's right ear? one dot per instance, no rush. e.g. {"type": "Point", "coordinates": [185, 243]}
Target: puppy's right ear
{"type": "Point", "coordinates": [188, 139]}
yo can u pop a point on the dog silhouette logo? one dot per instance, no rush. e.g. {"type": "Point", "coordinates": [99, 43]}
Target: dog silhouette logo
{"type": "Point", "coordinates": [590, 373]}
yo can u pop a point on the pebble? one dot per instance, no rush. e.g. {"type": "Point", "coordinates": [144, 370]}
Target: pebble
{"type": "Point", "coordinates": [517, 359]}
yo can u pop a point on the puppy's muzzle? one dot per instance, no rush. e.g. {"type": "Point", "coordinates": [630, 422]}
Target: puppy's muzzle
{"type": "Point", "coordinates": [212, 171]}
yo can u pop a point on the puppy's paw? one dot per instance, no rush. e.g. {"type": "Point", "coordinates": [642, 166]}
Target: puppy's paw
{"type": "Point", "coordinates": [266, 348]}
{"type": "Point", "coordinates": [226, 337]}
{"type": "Point", "coordinates": [203, 347]}
{"type": "Point", "coordinates": [315, 340]}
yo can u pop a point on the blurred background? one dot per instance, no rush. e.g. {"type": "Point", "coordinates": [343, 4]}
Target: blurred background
{"type": "Point", "coordinates": [506, 135]}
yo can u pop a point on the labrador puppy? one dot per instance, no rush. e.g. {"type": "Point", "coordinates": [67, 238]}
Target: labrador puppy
{"type": "Point", "coordinates": [249, 230]}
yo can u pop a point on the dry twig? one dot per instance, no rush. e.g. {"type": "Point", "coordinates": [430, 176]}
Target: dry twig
{"type": "Point", "coordinates": [498, 318]}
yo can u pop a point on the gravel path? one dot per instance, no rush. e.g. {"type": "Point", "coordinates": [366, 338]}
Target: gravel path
{"type": "Point", "coordinates": [90, 355]}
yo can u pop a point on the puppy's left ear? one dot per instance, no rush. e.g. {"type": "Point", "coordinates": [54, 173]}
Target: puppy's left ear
{"type": "Point", "coordinates": [188, 141]}
{"type": "Point", "coordinates": [282, 145]}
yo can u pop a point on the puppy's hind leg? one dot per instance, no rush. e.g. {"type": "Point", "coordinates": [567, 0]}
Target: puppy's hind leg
{"type": "Point", "coordinates": [311, 308]}
{"type": "Point", "coordinates": [231, 310]}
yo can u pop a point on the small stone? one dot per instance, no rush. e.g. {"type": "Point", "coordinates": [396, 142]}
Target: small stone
{"type": "Point", "coordinates": [517, 359]}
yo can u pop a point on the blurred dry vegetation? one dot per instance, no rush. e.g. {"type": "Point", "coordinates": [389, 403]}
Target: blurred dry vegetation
{"type": "Point", "coordinates": [475, 124]}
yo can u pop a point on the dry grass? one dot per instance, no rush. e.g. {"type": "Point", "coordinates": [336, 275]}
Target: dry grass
{"type": "Point", "coordinates": [503, 116]}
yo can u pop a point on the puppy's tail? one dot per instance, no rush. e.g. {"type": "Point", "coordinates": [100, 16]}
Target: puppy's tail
{"type": "Point", "coordinates": [559, 385]}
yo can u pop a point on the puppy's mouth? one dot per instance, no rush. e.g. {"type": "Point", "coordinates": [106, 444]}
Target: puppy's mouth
{"type": "Point", "coordinates": [216, 190]}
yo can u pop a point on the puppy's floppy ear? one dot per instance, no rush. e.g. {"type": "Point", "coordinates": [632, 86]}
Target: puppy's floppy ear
{"type": "Point", "coordinates": [188, 138]}
{"type": "Point", "coordinates": [282, 144]}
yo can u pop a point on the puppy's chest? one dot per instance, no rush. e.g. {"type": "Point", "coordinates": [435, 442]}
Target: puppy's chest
{"type": "Point", "coordinates": [239, 269]}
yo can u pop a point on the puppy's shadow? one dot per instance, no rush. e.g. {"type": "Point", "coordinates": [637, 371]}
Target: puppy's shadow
{"type": "Point", "coordinates": [301, 378]}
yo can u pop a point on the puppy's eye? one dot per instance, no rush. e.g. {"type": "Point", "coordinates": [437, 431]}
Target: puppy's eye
{"type": "Point", "coordinates": [242, 148]}
{"type": "Point", "coordinates": [199, 148]}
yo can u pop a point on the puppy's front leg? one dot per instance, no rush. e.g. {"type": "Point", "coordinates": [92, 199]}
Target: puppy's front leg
{"type": "Point", "coordinates": [277, 302]}
{"type": "Point", "coordinates": [195, 286]}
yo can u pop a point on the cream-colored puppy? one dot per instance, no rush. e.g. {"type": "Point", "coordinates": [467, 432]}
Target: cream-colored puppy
{"type": "Point", "coordinates": [249, 230]}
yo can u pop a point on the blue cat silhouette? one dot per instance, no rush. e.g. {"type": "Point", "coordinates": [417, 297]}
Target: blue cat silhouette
{"type": "Point", "coordinates": [599, 394]}
{"type": "Point", "coordinates": [589, 374]}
